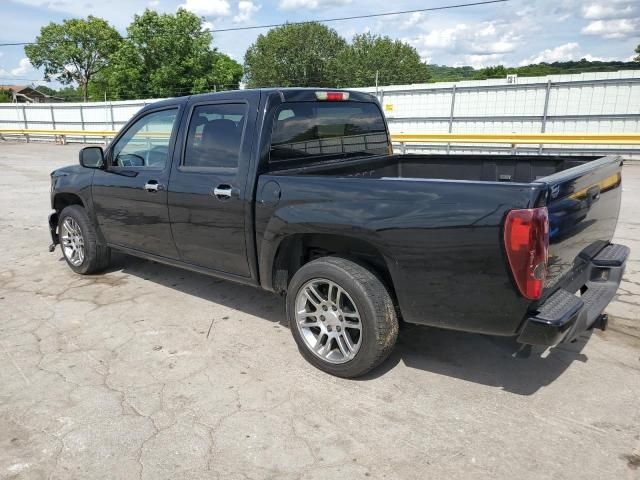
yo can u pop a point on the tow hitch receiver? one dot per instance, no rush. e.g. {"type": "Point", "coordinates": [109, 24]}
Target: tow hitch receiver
{"type": "Point", "coordinates": [602, 322]}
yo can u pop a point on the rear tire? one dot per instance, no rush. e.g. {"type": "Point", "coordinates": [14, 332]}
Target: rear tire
{"type": "Point", "coordinates": [341, 316]}
{"type": "Point", "coordinates": [81, 248]}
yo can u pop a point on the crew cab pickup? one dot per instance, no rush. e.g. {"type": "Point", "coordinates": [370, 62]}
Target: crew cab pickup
{"type": "Point", "coordinates": [297, 191]}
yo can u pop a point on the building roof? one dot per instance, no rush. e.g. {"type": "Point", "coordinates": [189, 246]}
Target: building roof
{"type": "Point", "coordinates": [25, 90]}
{"type": "Point", "coordinates": [16, 88]}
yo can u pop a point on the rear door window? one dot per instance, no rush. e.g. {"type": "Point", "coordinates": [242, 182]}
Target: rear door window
{"type": "Point", "coordinates": [214, 138]}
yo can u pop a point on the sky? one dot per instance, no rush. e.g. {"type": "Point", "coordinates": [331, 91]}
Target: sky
{"type": "Point", "coordinates": [518, 32]}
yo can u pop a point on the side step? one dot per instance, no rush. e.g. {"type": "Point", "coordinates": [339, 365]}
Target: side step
{"type": "Point", "coordinates": [611, 256]}
{"type": "Point", "coordinates": [559, 308]}
{"type": "Point", "coordinates": [554, 319]}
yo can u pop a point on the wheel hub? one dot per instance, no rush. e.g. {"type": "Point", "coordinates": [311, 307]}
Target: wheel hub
{"type": "Point", "coordinates": [332, 319]}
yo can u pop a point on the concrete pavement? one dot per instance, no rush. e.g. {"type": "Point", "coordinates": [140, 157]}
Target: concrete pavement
{"type": "Point", "coordinates": [152, 372]}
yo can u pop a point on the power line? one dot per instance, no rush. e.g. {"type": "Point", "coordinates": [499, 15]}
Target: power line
{"type": "Point", "coordinates": [355, 17]}
{"type": "Point", "coordinates": [326, 20]}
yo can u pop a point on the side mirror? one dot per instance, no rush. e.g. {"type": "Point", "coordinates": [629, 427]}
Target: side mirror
{"type": "Point", "coordinates": [92, 157]}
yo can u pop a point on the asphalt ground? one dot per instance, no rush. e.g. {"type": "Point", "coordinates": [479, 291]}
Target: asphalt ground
{"type": "Point", "coordinates": [148, 371]}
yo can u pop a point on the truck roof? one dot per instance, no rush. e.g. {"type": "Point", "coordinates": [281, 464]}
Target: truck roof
{"type": "Point", "coordinates": [286, 93]}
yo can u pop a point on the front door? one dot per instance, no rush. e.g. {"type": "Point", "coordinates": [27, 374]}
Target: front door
{"type": "Point", "coordinates": [130, 196]}
{"type": "Point", "coordinates": [207, 197]}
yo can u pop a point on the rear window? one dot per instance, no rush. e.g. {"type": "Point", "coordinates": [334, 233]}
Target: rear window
{"type": "Point", "coordinates": [309, 130]}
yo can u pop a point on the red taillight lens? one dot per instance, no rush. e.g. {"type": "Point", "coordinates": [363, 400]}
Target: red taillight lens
{"type": "Point", "coordinates": [526, 240]}
{"type": "Point", "coordinates": [332, 96]}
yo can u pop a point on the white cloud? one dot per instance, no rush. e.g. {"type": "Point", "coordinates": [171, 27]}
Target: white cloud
{"type": "Point", "coordinates": [153, 4]}
{"type": "Point", "coordinates": [311, 4]}
{"type": "Point", "coordinates": [414, 19]}
{"type": "Point", "coordinates": [23, 67]}
{"type": "Point", "coordinates": [479, 61]}
{"type": "Point", "coordinates": [481, 43]}
{"type": "Point", "coordinates": [212, 8]}
{"type": "Point", "coordinates": [207, 25]}
{"type": "Point", "coordinates": [563, 53]}
{"type": "Point", "coordinates": [595, 58]}
{"type": "Point", "coordinates": [619, 28]}
{"type": "Point", "coordinates": [612, 19]}
{"type": "Point", "coordinates": [246, 9]}
{"type": "Point", "coordinates": [608, 10]}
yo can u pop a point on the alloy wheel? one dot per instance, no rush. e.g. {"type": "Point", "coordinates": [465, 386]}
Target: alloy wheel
{"type": "Point", "coordinates": [328, 321]}
{"type": "Point", "coordinates": [72, 241]}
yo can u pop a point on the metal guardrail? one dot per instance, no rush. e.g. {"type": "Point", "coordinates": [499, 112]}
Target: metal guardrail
{"type": "Point", "coordinates": [58, 135]}
{"type": "Point", "coordinates": [522, 138]}
{"type": "Point", "coordinates": [500, 138]}
{"type": "Point", "coordinates": [401, 139]}
{"type": "Point", "coordinates": [511, 141]}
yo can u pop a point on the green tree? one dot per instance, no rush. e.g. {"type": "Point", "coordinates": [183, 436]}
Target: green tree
{"type": "Point", "coordinates": [46, 90]}
{"type": "Point", "coordinates": [168, 55]}
{"type": "Point", "coordinates": [294, 55]}
{"type": "Point", "coordinates": [75, 50]}
{"type": "Point", "coordinates": [394, 61]}
{"type": "Point", "coordinates": [444, 73]}
{"type": "Point", "coordinates": [497, 71]}
{"type": "Point", "coordinates": [72, 94]}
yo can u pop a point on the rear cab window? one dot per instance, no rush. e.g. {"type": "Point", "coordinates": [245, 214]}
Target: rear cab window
{"type": "Point", "coordinates": [318, 131]}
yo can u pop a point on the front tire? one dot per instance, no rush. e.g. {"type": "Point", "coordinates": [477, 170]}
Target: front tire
{"type": "Point", "coordinates": [79, 242]}
{"type": "Point", "coordinates": [341, 316]}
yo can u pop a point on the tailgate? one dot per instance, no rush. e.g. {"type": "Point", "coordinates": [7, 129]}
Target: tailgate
{"type": "Point", "coordinates": [583, 204]}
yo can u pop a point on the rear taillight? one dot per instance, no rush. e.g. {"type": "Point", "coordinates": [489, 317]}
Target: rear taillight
{"type": "Point", "coordinates": [526, 240]}
{"type": "Point", "coordinates": [332, 96]}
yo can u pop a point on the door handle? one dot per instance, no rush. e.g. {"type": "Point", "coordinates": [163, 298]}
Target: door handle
{"type": "Point", "coordinates": [222, 192]}
{"type": "Point", "coordinates": [152, 186]}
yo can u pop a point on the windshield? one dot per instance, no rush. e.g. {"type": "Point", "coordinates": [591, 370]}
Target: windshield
{"type": "Point", "coordinates": [328, 130]}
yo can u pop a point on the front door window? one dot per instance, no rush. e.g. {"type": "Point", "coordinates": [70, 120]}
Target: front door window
{"type": "Point", "coordinates": [146, 142]}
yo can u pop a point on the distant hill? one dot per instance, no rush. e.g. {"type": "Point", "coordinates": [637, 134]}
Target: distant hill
{"type": "Point", "coordinates": [443, 73]}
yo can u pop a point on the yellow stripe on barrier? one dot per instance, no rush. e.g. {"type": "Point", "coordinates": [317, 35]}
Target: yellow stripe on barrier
{"type": "Point", "coordinates": [511, 139]}
{"type": "Point", "coordinates": [70, 133]}
{"type": "Point", "coordinates": [516, 139]}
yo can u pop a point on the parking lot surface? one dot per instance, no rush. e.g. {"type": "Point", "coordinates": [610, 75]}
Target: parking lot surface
{"type": "Point", "coordinates": [152, 372]}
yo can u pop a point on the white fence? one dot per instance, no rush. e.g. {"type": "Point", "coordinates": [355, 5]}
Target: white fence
{"type": "Point", "coordinates": [607, 102]}
{"type": "Point", "coordinates": [585, 103]}
{"type": "Point", "coordinates": [69, 116]}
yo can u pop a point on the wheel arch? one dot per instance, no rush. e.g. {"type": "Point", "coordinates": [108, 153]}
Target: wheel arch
{"type": "Point", "coordinates": [64, 199]}
{"type": "Point", "coordinates": [298, 249]}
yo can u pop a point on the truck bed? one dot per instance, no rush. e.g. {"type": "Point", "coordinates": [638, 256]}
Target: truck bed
{"type": "Point", "coordinates": [520, 169]}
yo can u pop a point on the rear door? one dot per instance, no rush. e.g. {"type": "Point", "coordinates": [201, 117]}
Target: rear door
{"type": "Point", "coordinates": [208, 191]}
{"type": "Point", "coordinates": [130, 196]}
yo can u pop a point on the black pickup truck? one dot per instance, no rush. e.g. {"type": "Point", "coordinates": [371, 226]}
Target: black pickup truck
{"type": "Point", "coordinates": [297, 191]}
